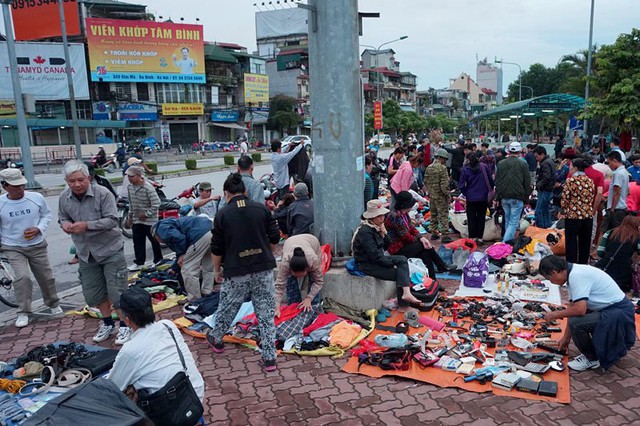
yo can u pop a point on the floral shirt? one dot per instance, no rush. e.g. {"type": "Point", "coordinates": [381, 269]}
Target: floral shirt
{"type": "Point", "coordinates": [400, 231]}
{"type": "Point", "coordinates": [577, 197]}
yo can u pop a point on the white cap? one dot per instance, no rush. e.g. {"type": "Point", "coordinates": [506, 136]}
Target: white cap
{"type": "Point", "coordinates": [515, 147]}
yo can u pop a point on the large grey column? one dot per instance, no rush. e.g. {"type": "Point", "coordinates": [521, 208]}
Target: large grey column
{"type": "Point", "coordinates": [337, 127]}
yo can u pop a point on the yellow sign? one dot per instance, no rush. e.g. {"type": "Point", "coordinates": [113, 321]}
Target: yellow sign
{"type": "Point", "coordinates": [182, 109]}
{"type": "Point", "coordinates": [7, 109]}
{"type": "Point", "coordinates": [256, 88]}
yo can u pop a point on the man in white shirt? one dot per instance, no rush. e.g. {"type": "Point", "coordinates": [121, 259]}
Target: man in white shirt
{"type": "Point", "coordinates": [150, 359]}
{"type": "Point", "coordinates": [280, 165]}
{"type": "Point", "coordinates": [244, 148]}
{"type": "Point", "coordinates": [24, 219]}
{"type": "Point", "coordinates": [618, 191]}
{"type": "Point", "coordinates": [206, 203]}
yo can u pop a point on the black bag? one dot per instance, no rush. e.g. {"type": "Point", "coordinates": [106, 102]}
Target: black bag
{"type": "Point", "coordinates": [98, 363]}
{"type": "Point", "coordinates": [177, 403]}
{"type": "Point", "coordinates": [427, 292]}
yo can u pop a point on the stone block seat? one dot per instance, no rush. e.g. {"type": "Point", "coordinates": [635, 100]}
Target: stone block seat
{"type": "Point", "coordinates": [357, 292]}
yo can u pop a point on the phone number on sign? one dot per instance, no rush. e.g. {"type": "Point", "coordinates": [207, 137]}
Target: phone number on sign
{"type": "Point", "coordinates": [21, 4]}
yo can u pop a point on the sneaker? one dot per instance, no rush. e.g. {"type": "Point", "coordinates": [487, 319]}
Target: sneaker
{"type": "Point", "coordinates": [104, 332]}
{"type": "Point", "coordinates": [217, 347]}
{"type": "Point", "coordinates": [22, 320]}
{"type": "Point", "coordinates": [269, 365]}
{"type": "Point", "coordinates": [124, 335]}
{"type": "Point", "coordinates": [582, 363]}
{"type": "Point", "coordinates": [57, 311]}
{"type": "Point", "coordinates": [134, 267]}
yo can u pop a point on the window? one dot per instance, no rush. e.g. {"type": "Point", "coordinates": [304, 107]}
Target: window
{"type": "Point", "coordinates": [215, 97]}
{"type": "Point", "coordinates": [84, 110]}
{"type": "Point", "coordinates": [104, 92]}
{"type": "Point", "coordinates": [143, 91]}
{"type": "Point", "coordinates": [123, 91]}
{"type": "Point", "coordinates": [180, 93]}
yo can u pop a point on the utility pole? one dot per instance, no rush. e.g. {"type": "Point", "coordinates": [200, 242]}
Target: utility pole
{"type": "Point", "coordinates": [337, 126]}
{"type": "Point", "coordinates": [21, 119]}
{"type": "Point", "coordinates": [589, 59]}
{"type": "Point", "coordinates": [72, 96]}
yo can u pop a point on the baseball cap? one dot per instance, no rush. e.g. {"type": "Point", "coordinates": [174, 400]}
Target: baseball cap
{"type": "Point", "coordinates": [515, 147]}
{"type": "Point", "coordinates": [13, 177]}
{"type": "Point", "coordinates": [135, 299]}
{"type": "Point", "coordinates": [204, 186]}
{"type": "Point", "coordinates": [133, 161]}
{"type": "Point", "coordinates": [442, 153]}
{"type": "Point", "coordinates": [135, 171]}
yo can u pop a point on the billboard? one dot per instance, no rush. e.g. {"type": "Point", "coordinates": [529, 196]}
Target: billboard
{"type": "Point", "coordinates": [145, 51]}
{"type": "Point", "coordinates": [38, 19]}
{"type": "Point", "coordinates": [256, 88]}
{"type": "Point", "coordinates": [137, 112]}
{"type": "Point", "coordinates": [42, 71]}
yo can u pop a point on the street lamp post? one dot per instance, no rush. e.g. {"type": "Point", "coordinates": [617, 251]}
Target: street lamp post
{"type": "Point", "coordinates": [519, 91]}
{"type": "Point", "coordinates": [21, 119]}
{"type": "Point", "coordinates": [589, 59]}
{"type": "Point", "coordinates": [530, 88]}
{"type": "Point", "coordinates": [377, 51]}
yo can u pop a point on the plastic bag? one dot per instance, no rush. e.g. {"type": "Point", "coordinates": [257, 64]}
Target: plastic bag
{"type": "Point", "coordinates": [446, 254]}
{"type": "Point", "coordinates": [326, 258]}
{"type": "Point", "coordinates": [417, 266]}
{"type": "Point", "coordinates": [460, 257]}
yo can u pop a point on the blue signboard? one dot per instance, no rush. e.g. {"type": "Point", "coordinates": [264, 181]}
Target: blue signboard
{"type": "Point", "coordinates": [225, 116]}
{"type": "Point", "coordinates": [137, 112]}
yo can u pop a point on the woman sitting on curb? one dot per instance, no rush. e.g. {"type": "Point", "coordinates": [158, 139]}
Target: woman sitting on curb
{"type": "Point", "coordinates": [368, 245]}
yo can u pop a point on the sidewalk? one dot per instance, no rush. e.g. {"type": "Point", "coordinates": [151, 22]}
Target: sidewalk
{"type": "Point", "coordinates": [313, 391]}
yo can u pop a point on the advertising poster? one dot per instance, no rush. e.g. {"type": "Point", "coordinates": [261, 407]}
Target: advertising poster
{"type": "Point", "coordinates": [165, 133]}
{"type": "Point", "coordinates": [256, 88]}
{"type": "Point", "coordinates": [42, 71]}
{"type": "Point", "coordinates": [145, 51]}
{"type": "Point", "coordinates": [38, 19]}
{"type": "Point", "coordinates": [377, 115]}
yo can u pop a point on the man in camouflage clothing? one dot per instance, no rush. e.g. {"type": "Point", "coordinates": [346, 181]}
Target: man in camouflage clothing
{"type": "Point", "coordinates": [436, 181]}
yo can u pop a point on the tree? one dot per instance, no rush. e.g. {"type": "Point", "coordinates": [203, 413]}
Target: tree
{"type": "Point", "coordinates": [282, 114]}
{"type": "Point", "coordinates": [541, 79]}
{"type": "Point", "coordinates": [618, 80]}
{"type": "Point", "coordinates": [573, 69]}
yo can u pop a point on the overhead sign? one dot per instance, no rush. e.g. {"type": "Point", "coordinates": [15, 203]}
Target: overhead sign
{"type": "Point", "coordinates": [137, 112]}
{"type": "Point", "coordinates": [225, 116]}
{"type": "Point", "coordinates": [38, 19]}
{"type": "Point", "coordinates": [42, 71]}
{"type": "Point", "coordinates": [550, 105]}
{"type": "Point", "coordinates": [256, 88]}
{"type": "Point", "coordinates": [377, 115]}
{"type": "Point", "coordinates": [182, 109]}
{"type": "Point", "coordinates": [145, 51]}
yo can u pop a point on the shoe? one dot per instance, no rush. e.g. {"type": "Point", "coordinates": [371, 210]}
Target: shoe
{"type": "Point", "coordinates": [73, 261]}
{"type": "Point", "coordinates": [447, 239]}
{"type": "Point", "coordinates": [134, 267]}
{"type": "Point", "coordinates": [217, 347]}
{"type": "Point", "coordinates": [268, 365]}
{"type": "Point", "coordinates": [57, 311]}
{"type": "Point", "coordinates": [582, 363]}
{"type": "Point", "coordinates": [435, 237]}
{"type": "Point", "coordinates": [124, 335]}
{"type": "Point", "coordinates": [104, 332]}
{"type": "Point", "coordinates": [22, 320]}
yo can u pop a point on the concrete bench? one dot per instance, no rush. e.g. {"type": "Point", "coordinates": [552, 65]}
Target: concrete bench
{"type": "Point", "coordinates": [357, 292]}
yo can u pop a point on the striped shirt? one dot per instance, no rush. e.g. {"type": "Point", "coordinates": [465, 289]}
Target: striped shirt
{"type": "Point", "coordinates": [143, 199]}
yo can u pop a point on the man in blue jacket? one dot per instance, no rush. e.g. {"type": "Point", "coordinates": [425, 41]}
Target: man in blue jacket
{"type": "Point", "coordinates": [190, 238]}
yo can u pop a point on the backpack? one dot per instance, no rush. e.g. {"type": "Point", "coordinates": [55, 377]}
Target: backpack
{"type": "Point", "coordinates": [476, 270]}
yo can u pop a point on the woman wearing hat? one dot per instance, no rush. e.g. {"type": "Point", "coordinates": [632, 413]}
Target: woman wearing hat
{"type": "Point", "coordinates": [405, 238]}
{"type": "Point", "coordinates": [368, 245]}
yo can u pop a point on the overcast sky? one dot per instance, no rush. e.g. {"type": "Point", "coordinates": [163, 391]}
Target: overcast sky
{"type": "Point", "coordinates": [444, 35]}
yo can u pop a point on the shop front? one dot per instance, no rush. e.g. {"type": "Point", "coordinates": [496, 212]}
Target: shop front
{"type": "Point", "coordinates": [185, 122]}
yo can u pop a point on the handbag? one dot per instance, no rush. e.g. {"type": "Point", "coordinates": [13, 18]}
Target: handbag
{"type": "Point", "coordinates": [176, 403]}
{"type": "Point", "coordinates": [98, 363]}
{"type": "Point", "coordinates": [635, 280]}
{"type": "Point", "coordinates": [492, 192]}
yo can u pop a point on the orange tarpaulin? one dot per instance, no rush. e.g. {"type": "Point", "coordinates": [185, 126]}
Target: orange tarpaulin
{"type": "Point", "coordinates": [438, 377]}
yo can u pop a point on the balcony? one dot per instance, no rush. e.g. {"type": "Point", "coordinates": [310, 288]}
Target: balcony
{"type": "Point", "coordinates": [223, 81]}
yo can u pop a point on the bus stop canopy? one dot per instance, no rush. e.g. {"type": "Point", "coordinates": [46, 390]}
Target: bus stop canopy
{"type": "Point", "coordinates": [541, 106]}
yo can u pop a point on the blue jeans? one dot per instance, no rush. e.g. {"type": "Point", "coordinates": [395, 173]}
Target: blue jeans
{"type": "Point", "coordinates": [512, 212]}
{"type": "Point", "coordinates": [543, 206]}
{"type": "Point", "coordinates": [293, 291]}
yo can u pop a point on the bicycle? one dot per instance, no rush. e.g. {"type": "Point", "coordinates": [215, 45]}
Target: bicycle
{"type": "Point", "coordinates": [7, 276]}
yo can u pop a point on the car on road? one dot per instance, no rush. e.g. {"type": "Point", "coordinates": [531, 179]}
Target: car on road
{"type": "Point", "coordinates": [381, 139]}
{"type": "Point", "coordinates": [296, 139]}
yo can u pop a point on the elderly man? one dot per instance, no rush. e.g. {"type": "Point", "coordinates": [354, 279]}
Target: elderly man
{"type": "Point", "coordinates": [151, 358]}
{"type": "Point", "coordinates": [24, 219]}
{"type": "Point", "coordinates": [89, 214]}
{"type": "Point", "coordinates": [143, 213]}
{"type": "Point", "coordinates": [300, 212]}
{"type": "Point", "coordinates": [601, 319]}
{"type": "Point", "coordinates": [206, 204]}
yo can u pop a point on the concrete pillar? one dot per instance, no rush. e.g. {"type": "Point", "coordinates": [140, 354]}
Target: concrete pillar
{"type": "Point", "coordinates": [336, 114]}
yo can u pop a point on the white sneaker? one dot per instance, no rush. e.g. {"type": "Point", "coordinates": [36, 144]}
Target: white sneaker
{"type": "Point", "coordinates": [134, 267]}
{"type": "Point", "coordinates": [124, 335]}
{"type": "Point", "coordinates": [22, 320]}
{"type": "Point", "coordinates": [57, 311]}
{"type": "Point", "coordinates": [582, 363]}
{"type": "Point", "coordinates": [104, 331]}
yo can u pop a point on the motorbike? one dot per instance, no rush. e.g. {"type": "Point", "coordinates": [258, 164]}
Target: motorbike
{"type": "Point", "coordinates": [188, 194]}
{"type": "Point", "coordinates": [269, 187]}
{"type": "Point", "coordinates": [10, 164]}
{"type": "Point", "coordinates": [111, 164]}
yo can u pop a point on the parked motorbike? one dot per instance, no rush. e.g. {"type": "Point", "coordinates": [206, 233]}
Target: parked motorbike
{"type": "Point", "coordinates": [112, 164]}
{"type": "Point", "coordinates": [269, 187]}
{"type": "Point", "coordinates": [10, 164]}
{"type": "Point", "coordinates": [188, 194]}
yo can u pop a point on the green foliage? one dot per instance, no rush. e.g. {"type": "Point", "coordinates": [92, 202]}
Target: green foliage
{"type": "Point", "coordinates": [152, 165]}
{"type": "Point", "coordinates": [618, 80]}
{"type": "Point", "coordinates": [282, 114]}
{"type": "Point", "coordinates": [99, 172]}
{"type": "Point", "coordinates": [256, 157]}
{"type": "Point", "coordinates": [191, 164]}
{"type": "Point", "coordinates": [229, 160]}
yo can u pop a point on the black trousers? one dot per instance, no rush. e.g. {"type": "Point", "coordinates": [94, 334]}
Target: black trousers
{"type": "Point", "coordinates": [398, 272]}
{"type": "Point", "coordinates": [581, 331]}
{"type": "Point", "coordinates": [476, 211]}
{"type": "Point", "coordinates": [141, 233]}
{"type": "Point", "coordinates": [578, 239]}
{"type": "Point", "coordinates": [429, 257]}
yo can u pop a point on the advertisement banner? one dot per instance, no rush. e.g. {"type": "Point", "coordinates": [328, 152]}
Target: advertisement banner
{"type": "Point", "coordinates": [165, 133]}
{"type": "Point", "coordinates": [38, 19]}
{"type": "Point", "coordinates": [7, 109]}
{"type": "Point", "coordinates": [42, 71]}
{"type": "Point", "coordinates": [137, 112]}
{"type": "Point", "coordinates": [182, 109]}
{"type": "Point", "coordinates": [256, 88]}
{"type": "Point", "coordinates": [377, 115]}
{"type": "Point", "coordinates": [225, 116]}
{"type": "Point", "coordinates": [145, 51]}
{"type": "Point", "coordinates": [101, 110]}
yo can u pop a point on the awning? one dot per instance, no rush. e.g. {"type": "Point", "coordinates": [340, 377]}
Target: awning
{"type": "Point", "coordinates": [229, 126]}
{"type": "Point", "coordinates": [540, 106]}
{"type": "Point", "coordinates": [54, 122]}
{"type": "Point", "coordinates": [216, 53]}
